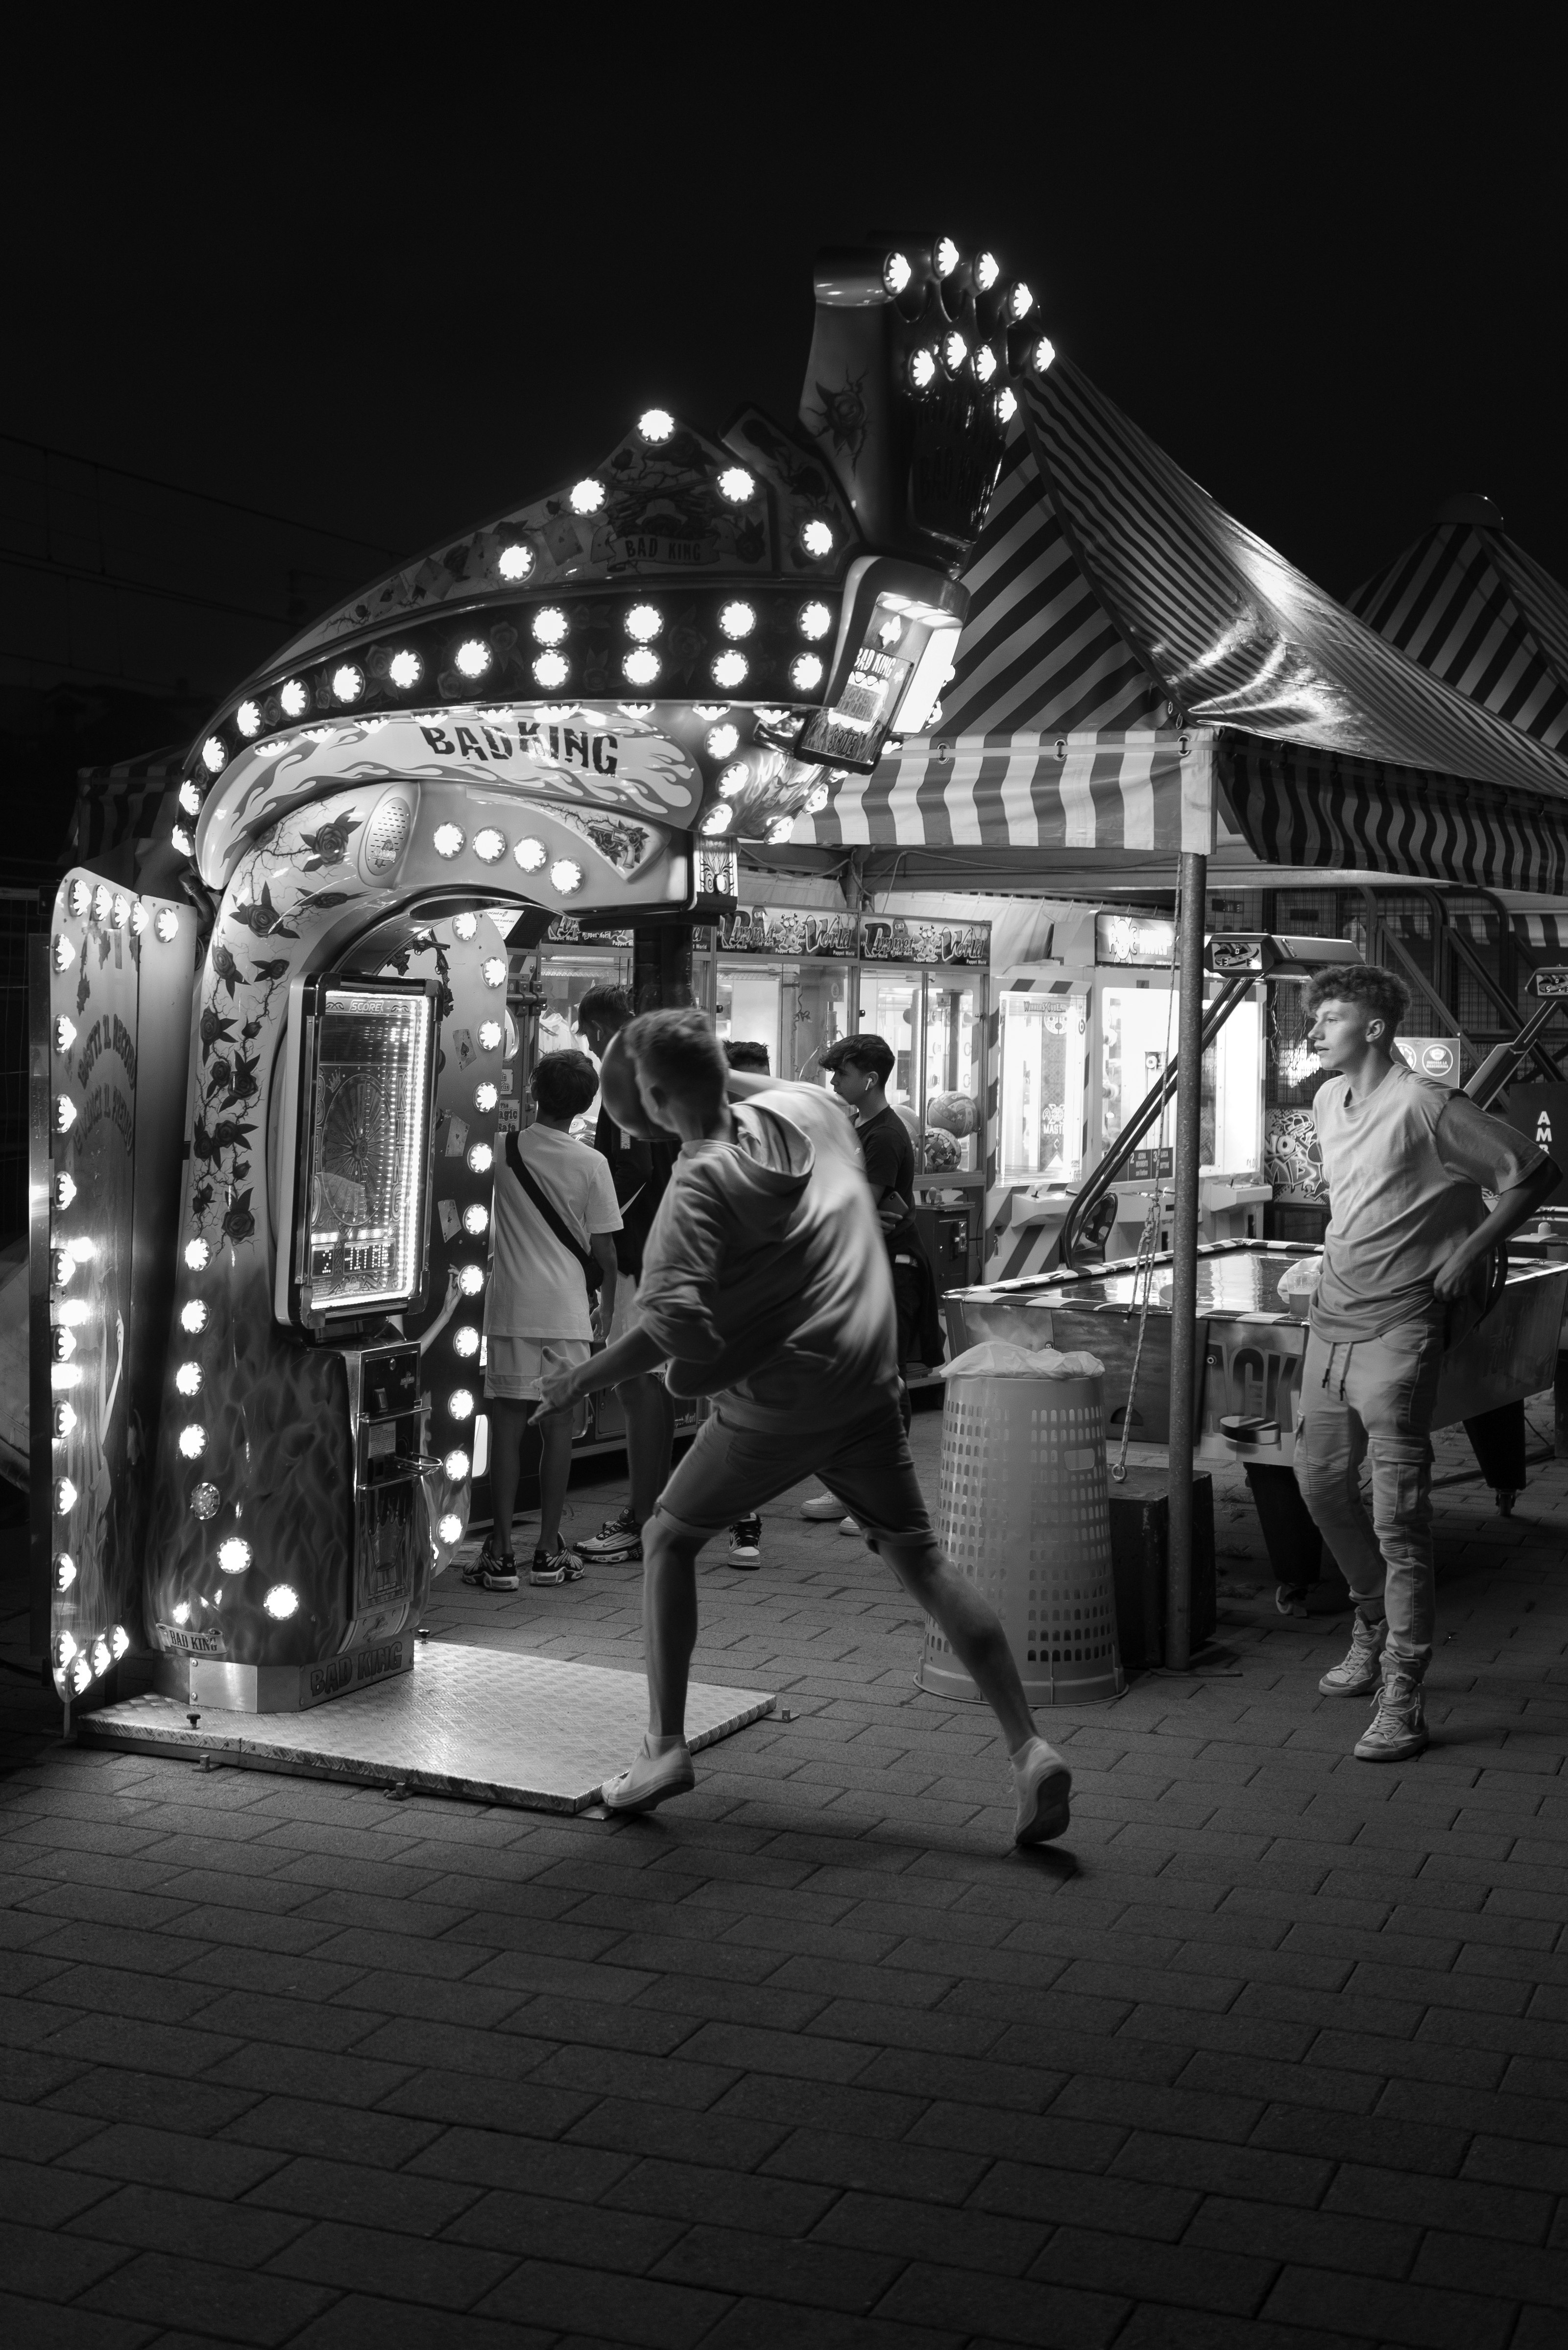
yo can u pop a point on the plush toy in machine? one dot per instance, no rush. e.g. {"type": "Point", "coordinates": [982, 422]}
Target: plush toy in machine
{"type": "Point", "coordinates": [954, 1113]}
{"type": "Point", "coordinates": [941, 1150]}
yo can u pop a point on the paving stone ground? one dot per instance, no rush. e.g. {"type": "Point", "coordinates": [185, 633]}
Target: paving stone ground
{"type": "Point", "coordinates": [1271, 2053]}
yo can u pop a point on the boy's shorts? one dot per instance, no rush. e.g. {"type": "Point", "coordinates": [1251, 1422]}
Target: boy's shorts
{"type": "Point", "coordinates": [515, 1366]}
{"type": "Point", "coordinates": [863, 1461]}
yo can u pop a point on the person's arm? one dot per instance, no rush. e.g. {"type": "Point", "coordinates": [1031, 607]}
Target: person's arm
{"type": "Point", "coordinates": [1514, 1207]}
{"type": "Point", "coordinates": [1480, 1149]}
{"type": "Point", "coordinates": [560, 1390]}
{"type": "Point", "coordinates": [603, 1311]}
{"type": "Point", "coordinates": [742, 1084]}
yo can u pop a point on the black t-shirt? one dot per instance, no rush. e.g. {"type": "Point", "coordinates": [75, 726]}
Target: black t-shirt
{"type": "Point", "coordinates": [889, 1157]}
{"type": "Point", "coordinates": [640, 1174]}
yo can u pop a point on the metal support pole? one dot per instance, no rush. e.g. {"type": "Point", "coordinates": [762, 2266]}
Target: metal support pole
{"type": "Point", "coordinates": [1184, 1365]}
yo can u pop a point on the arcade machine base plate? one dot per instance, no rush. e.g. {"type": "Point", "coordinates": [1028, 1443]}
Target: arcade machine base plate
{"type": "Point", "coordinates": [476, 1723]}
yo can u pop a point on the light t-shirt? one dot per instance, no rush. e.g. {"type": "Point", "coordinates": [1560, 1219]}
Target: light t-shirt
{"type": "Point", "coordinates": [1406, 1168]}
{"type": "Point", "coordinates": [537, 1290]}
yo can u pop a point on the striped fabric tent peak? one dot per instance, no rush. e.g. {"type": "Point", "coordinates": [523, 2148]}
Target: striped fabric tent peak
{"type": "Point", "coordinates": [1477, 611]}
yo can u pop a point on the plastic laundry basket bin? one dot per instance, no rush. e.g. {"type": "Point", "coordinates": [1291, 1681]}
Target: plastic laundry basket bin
{"type": "Point", "coordinates": [1023, 1510]}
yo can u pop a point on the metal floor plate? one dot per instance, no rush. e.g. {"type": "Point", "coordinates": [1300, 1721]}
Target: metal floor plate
{"type": "Point", "coordinates": [475, 1722]}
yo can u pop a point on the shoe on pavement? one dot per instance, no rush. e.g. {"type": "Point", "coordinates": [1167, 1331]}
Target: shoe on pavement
{"type": "Point", "coordinates": [1290, 1598]}
{"type": "Point", "coordinates": [821, 1505]}
{"type": "Point", "coordinates": [1358, 1671]}
{"type": "Point", "coordinates": [650, 1781]}
{"type": "Point", "coordinates": [1398, 1732]}
{"type": "Point", "coordinates": [746, 1543]}
{"type": "Point", "coordinates": [619, 1542]}
{"type": "Point", "coordinates": [850, 1525]}
{"type": "Point", "coordinates": [493, 1570]}
{"type": "Point", "coordinates": [1043, 1784]}
{"type": "Point", "coordinates": [555, 1566]}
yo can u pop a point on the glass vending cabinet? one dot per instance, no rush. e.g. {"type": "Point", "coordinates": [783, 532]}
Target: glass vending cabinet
{"type": "Point", "coordinates": [782, 978]}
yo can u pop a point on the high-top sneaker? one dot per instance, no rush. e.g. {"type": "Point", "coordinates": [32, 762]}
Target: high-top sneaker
{"type": "Point", "coordinates": [1358, 1671]}
{"type": "Point", "coordinates": [1398, 1732]}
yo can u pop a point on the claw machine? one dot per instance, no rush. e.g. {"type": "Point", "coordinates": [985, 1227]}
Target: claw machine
{"type": "Point", "coordinates": [782, 977]}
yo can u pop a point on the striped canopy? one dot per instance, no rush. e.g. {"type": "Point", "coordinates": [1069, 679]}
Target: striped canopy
{"type": "Point", "coordinates": [1133, 652]}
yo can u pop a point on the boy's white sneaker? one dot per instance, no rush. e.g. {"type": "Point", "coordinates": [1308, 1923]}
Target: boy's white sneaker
{"type": "Point", "coordinates": [1043, 1784]}
{"type": "Point", "coordinates": [821, 1505]}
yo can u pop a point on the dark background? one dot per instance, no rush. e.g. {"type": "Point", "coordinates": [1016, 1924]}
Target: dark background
{"type": "Point", "coordinates": [331, 314]}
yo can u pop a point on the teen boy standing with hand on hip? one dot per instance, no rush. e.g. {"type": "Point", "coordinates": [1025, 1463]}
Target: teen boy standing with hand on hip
{"type": "Point", "coordinates": [1404, 1275]}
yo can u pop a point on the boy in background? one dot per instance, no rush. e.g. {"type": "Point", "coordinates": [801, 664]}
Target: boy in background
{"type": "Point", "coordinates": [538, 1316]}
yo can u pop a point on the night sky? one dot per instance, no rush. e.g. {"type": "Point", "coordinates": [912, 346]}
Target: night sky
{"type": "Point", "coordinates": [1332, 289]}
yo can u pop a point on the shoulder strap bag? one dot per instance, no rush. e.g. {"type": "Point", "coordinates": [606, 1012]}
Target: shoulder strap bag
{"type": "Point", "coordinates": [593, 1271]}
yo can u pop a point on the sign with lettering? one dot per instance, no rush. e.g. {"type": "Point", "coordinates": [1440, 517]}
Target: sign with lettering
{"type": "Point", "coordinates": [884, 938]}
{"type": "Point", "coordinates": [787, 930]}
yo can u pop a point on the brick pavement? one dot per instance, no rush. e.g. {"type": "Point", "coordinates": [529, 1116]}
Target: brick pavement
{"type": "Point", "coordinates": [1271, 2054]}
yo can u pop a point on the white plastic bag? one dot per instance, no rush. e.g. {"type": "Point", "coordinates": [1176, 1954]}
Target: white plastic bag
{"type": "Point", "coordinates": [997, 1358]}
{"type": "Point", "coordinates": [1300, 1278]}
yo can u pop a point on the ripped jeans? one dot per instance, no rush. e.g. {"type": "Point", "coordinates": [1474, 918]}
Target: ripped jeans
{"type": "Point", "coordinates": [1375, 1398]}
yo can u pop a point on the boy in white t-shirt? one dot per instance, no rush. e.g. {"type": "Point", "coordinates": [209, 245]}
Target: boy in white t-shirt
{"type": "Point", "coordinates": [537, 1314]}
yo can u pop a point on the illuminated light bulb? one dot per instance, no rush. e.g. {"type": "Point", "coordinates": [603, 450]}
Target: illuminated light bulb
{"type": "Point", "coordinates": [721, 741]}
{"type": "Point", "coordinates": [656, 425]}
{"type": "Point", "coordinates": [816, 799]}
{"type": "Point", "coordinates": [471, 1280]}
{"type": "Point", "coordinates": [815, 621]}
{"type": "Point", "coordinates": [182, 1612]}
{"type": "Point", "coordinates": [466, 1341]}
{"type": "Point", "coordinates": [101, 1659]}
{"type": "Point", "coordinates": [450, 1530]}
{"type": "Point", "coordinates": [818, 539]}
{"type": "Point", "coordinates": [984, 363]}
{"type": "Point", "coordinates": [897, 272]}
{"type": "Point", "coordinates": [65, 1113]}
{"type": "Point", "coordinates": [480, 1159]}
{"type": "Point", "coordinates": [196, 1254]}
{"type": "Point", "coordinates": [515, 562]}
{"type": "Point", "coordinates": [890, 631]}
{"type": "Point", "coordinates": [117, 913]}
{"type": "Point", "coordinates": [1020, 302]}
{"type": "Point", "coordinates": [457, 1465]}
{"type": "Point", "coordinates": [805, 672]}
{"type": "Point", "coordinates": [955, 350]}
{"type": "Point", "coordinates": [565, 875]}
{"type": "Point", "coordinates": [549, 625]}
{"type": "Point", "coordinates": [271, 750]}
{"type": "Point", "coordinates": [529, 854]}
{"type": "Point", "coordinates": [1006, 405]}
{"type": "Point", "coordinates": [65, 1419]}
{"type": "Point", "coordinates": [61, 1267]}
{"type": "Point", "coordinates": [781, 830]}
{"type": "Point", "coordinates": [710, 709]}
{"type": "Point", "coordinates": [84, 1249]}
{"type": "Point", "coordinates": [738, 619]}
{"type": "Point", "coordinates": [190, 800]}
{"type": "Point", "coordinates": [81, 1676]}
{"type": "Point", "coordinates": [475, 1220]}
{"type": "Point", "coordinates": [987, 270]}
{"type": "Point", "coordinates": [165, 923]}
{"type": "Point", "coordinates": [922, 370]}
{"type": "Point", "coordinates": [295, 698]}
{"type": "Point", "coordinates": [493, 971]}
{"type": "Point", "coordinates": [214, 755]}
{"type": "Point", "coordinates": [551, 670]}
{"type": "Point", "coordinates": [730, 670]}
{"type": "Point", "coordinates": [465, 926]}
{"type": "Point", "coordinates": [119, 1641]}
{"type": "Point", "coordinates": [65, 1571]}
{"type": "Point", "coordinates": [65, 1497]}
{"type": "Point", "coordinates": [65, 1034]}
{"type": "Point", "coordinates": [404, 669]}
{"type": "Point", "coordinates": [282, 1602]}
{"type": "Point", "coordinates": [490, 846]}
{"type": "Point", "coordinates": [447, 840]}
{"type": "Point", "coordinates": [64, 1188]}
{"type": "Point", "coordinates": [473, 656]}
{"type": "Point", "coordinates": [234, 1556]}
{"type": "Point", "coordinates": [484, 1096]}
{"type": "Point", "coordinates": [489, 1038]}
{"type": "Point", "coordinates": [181, 840]}
{"type": "Point", "coordinates": [717, 819]}
{"type": "Point", "coordinates": [348, 683]}
{"type": "Point", "coordinates": [736, 484]}
{"type": "Point", "coordinates": [641, 667]}
{"type": "Point", "coordinates": [947, 256]}
{"type": "Point", "coordinates": [100, 898]}
{"type": "Point", "coordinates": [204, 1500]}
{"type": "Point", "coordinates": [192, 1440]}
{"type": "Point", "coordinates": [193, 1316]}
{"type": "Point", "coordinates": [66, 1374]}
{"type": "Point", "coordinates": [248, 719]}
{"type": "Point", "coordinates": [1045, 351]}
{"type": "Point", "coordinates": [188, 1379]}
{"type": "Point", "coordinates": [460, 1404]}
{"type": "Point", "coordinates": [78, 898]}
{"type": "Point", "coordinates": [734, 779]}
{"type": "Point", "coordinates": [64, 954]}
{"type": "Point", "coordinates": [74, 1311]}
{"type": "Point", "coordinates": [64, 1648]}
{"type": "Point", "coordinates": [644, 621]}
{"type": "Point", "coordinates": [636, 709]}
{"type": "Point", "coordinates": [587, 496]}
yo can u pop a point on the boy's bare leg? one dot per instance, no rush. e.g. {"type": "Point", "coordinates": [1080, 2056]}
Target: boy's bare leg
{"type": "Point", "coordinates": [973, 1631]}
{"type": "Point", "coordinates": [649, 1409]}
{"type": "Point", "coordinates": [506, 1421]}
{"type": "Point", "coordinates": [668, 1623]}
{"type": "Point", "coordinates": [555, 1469]}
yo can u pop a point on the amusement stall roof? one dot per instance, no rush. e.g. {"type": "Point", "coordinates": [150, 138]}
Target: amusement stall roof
{"type": "Point", "coordinates": [1123, 630]}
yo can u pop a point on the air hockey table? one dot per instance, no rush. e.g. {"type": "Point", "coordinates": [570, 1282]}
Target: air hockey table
{"type": "Point", "coordinates": [1251, 1345]}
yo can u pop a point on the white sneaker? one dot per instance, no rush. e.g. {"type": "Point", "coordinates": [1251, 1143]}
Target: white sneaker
{"type": "Point", "coordinates": [1398, 1732]}
{"type": "Point", "coordinates": [821, 1505]}
{"type": "Point", "coordinates": [1358, 1671]}
{"type": "Point", "coordinates": [849, 1525]}
{"type": "Point", "coordinates": [1043, 1784]}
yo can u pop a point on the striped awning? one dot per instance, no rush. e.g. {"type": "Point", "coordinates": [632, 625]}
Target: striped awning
{"type": "Point", "coordinates": [1548, 933]}
{"type": "Point", "coordinates": [1480, 613]}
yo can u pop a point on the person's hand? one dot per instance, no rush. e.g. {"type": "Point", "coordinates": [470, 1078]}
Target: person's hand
{"type": "Point", "coordinates": [891, 1214]}
{"type": "Point", "coordinates": [556, 1393]}
{"type": "Point", "coordinates": [597, 1320]}
{"type": "Point", "coordinates": [1454, 1277]}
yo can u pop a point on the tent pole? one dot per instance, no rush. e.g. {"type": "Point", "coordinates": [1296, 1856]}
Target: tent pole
{"type": "Point", "coordinates": [1184, 1365]}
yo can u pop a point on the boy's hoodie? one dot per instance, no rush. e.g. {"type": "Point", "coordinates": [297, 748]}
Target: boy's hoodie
{"type": "Point", "coordinates": [765, 1277]}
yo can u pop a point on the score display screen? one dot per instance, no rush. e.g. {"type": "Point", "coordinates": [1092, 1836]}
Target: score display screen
{"type": "Point", "coordinates": [368, 1151]}
{"type": "Point", "coordinates": [854, 729]}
